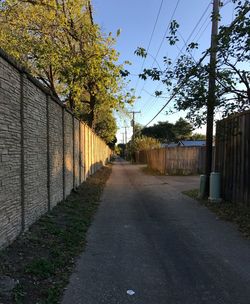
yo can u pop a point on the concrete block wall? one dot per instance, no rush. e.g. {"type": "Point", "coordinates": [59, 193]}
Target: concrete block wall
{"type": "Point", "coordinates": [35, 152]}
{"type": "Point", "coordinates": [44, 150]}
{"type": "Point", "coordinates": [76, 153]}
{"type": "Point", "coordinates": [82, 152]}
{"type": "Point", "coordinates": [68, 152]}
{"type": "Point", "coordinates": [55, 153]}
{"type": "Point", "coordinates": [10, 152]}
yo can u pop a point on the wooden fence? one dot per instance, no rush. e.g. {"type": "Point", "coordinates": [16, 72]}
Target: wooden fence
{"type": "Point", "coordinates": [174, 161]}
{"type": "Point", "coordinates": [232, 157]}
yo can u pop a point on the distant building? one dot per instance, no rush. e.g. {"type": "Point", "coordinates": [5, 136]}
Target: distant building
{"type": "Point", "coordinates": [192, 143]}
{"type": "Point", "coordinates": [170, 145]}
{"type": "Point", "coordinates": [185, 143]}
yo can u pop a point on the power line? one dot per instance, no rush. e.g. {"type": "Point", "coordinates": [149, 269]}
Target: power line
{"type": "Point", "coordinates": [163, 38]}
{"type": "Point", "coordinates": [171, 19]}
{"type": "Point", "coordinates": [201, 27]}
{"type": "Point", "coordinates": [184, 81]}
{"type": "Point", "coordinates": [185, 42]}
{"type": "Point", "coordinates": [198, 39]}
{"type": "Point", "coordinates": [177, 91]}
{"type": "Point", "coordinates": [195, 27]}
{"type": "Point", "coordinates": [150, 40]}
{"type": "Point", "coordinates": [207, 22]}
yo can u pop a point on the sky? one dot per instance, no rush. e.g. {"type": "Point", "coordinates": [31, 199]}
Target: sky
{"type": "Point", "coordinates": [144, 23]}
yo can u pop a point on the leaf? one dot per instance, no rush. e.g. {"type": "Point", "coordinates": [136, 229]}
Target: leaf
{"type": "Point", "coordinates": [118, 32]}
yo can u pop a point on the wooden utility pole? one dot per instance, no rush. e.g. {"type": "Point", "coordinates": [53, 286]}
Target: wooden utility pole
{"type": "Point", "coordinates": [133, 136]}
{"type": "Point", "coordinates": [126, 138]}
{"type": "Point", "coordinates": [133, 122]}
{"type": "Point", "coordinates": [211, 93]}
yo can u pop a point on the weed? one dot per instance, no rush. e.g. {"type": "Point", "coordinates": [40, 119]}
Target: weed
{"type": "Point", "coordinates": [41, 268]}
{"type": "Point", "coordinates": [43, 258]}
{"type": "Point", "coordinates": [18, 294]}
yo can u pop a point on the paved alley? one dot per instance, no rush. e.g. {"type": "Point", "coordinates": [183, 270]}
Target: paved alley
{"type": "Point", "coordinates": [150, 240]}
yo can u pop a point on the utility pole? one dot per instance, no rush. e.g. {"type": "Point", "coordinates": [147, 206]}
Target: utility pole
{"type": "Point", "coordinates": [211, 93]}
{"type": "Point", "coordinates": [133, 122]}
{"type": "Point", "coordinates": [133, 136]}
{"type": "Point", "coordinates": [126, 139]}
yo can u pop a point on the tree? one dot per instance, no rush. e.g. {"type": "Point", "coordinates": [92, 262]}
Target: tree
{"type": "Point", "coordinates": [62, 47]}
{"type": "Point", "coordinates": [138, 130]}
{"type": "Point", "coordinates": [112, 144]}
{"type": "Point", "coordinates": [122, 149]}
{"type": "Point", "coordinates": [182, 129]}
{"type": "Point", "coordinates": [105, 125]}
{"type": "Point", "coordinates": [197, 136]}
{"type": "Point", "coordinates": [168, 132]}
{"type": "Point", "coordinates": [143, 143]}
{"type": "Point", "coordinates": [233, 60]}
{"type": "Point", "coordinates": [163, 131]}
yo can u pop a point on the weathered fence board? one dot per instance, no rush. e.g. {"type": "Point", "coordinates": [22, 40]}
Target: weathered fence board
{"type": "Point", "coordinates": [232, 157]}
{"type": "Point", "coordinates": [175, 160]}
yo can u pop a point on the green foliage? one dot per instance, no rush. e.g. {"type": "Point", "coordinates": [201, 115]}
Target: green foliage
{"type": "Point", "coordinates": [143, 143]}
{"type": "Point", "coordinates": [163, 131]}
{"type": "Point", "coordinates": [58, 42]}
{"type": "Point", "coordinates": [182, 129]}
{"type": "Point", "coordinates": [197, 136]}
{"type": "Point", "coordinates": [141, 52]}
{"type": "Point", "coordinates": [105, 125]}
{"type": "Point", "coordinates": [138, 130]}
{"type": "Point", "coordinates": [42, 268]}
{"type": "Point", "coordinates": [168, 132]}
{"type": "Point", "coordinates": [173, 38]}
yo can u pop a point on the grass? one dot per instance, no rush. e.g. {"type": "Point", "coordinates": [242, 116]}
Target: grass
{"type": "Point", "coordinates": [232, 212]}
{"type": "Point", "coordinates": [42, 259]}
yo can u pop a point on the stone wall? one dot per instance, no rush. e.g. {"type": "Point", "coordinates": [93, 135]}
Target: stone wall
{"type": "Point", "coordinates": [44, 150]}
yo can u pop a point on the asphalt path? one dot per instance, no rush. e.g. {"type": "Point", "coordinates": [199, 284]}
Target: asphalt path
{"type": "Point", "coordinates": [151, 241]}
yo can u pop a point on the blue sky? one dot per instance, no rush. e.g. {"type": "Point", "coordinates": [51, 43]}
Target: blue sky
{"type": "Point", "coordinates": [136, 19]}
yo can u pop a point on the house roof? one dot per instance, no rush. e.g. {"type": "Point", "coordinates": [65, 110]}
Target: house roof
{"type": "Point", "coordinates": [192, 143]}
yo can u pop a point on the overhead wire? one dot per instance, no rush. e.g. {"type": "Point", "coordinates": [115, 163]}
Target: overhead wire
{"type": "Point", "coordinates": [181, 85]}
{"type": "Point", "coordinates": [163, 38]}
{"type": "Point", "coordinates": [167, 29]}
{"type": "Point", "coordinates": [150, 40]}
{"type": "Point", "coordinates": [191, 34]}
{"type": "Point", "coordinates": [180, 52]}
{"type": "Point", "coordinates": [176, 92]}
{"type": "Point", "coordinates": [183, 82]}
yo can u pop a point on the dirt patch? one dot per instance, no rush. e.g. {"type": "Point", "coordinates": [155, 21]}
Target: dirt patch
{"type": "Point", "coordinates": [36, 267]}
{"type": "Point", "coordinates": [232, 212]}
{"type": "Point", "coordinates": [149, 171]}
